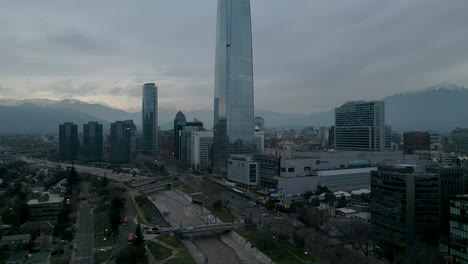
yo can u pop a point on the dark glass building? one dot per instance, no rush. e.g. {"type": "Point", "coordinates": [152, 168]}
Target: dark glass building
{"type": "Point", "coordinates": [416, 140]}
{"type": "Point", "coordinates": [122, 137]}
{"type": "Point", "coordinates": [405, 209]}
{"type": "Point", "coordinates": [92, 142]}
{"type": "Point", "coordinates": [68, 141]}
{"type": "Point", "coordinates": [452, 182]}
{"type": "Point", "coordinates": [150, 118]}
{"type": "Point", "coordinates": [458, 247]}
{"type": "Point", "coordinates": [233, 98]}
{"type": "Point", "coordinates": [460, 138]}
{"type": "Point", "coordinates": [179, 122]}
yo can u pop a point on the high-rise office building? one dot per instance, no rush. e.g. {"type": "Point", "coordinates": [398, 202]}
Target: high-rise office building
{"type": "Point", "coordinates": [68, 141]}
{"type": "Point", "coordinates": [458, 246]}
{"type": "Point", "coordinates": [452, 182]}
{"type": "Point", "coordinates": [360, 125]}
{"type": "Point", "coordinates": [179, 122]}
{"type": "Point", "coordinates": [92, 142]}
{"type": "Point", "coordinates": [233, 98]}
{"type": "Point", "coordinates": [405, 209]}
{"type": "Point", "coordinates": [200, 148]}
{"type": "Point", "coordinates": [460, 138]}
{"type": "Point", "coordinates": [150, 118]}
{"type": "Point", "coordinates": [123, 139]}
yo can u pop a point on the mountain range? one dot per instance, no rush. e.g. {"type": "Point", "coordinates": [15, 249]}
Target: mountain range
{"type": "Point", "coordinates": [441, 108]}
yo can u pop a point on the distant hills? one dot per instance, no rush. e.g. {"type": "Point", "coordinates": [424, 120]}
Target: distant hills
{"type": "Point", "coordinates": [442, 107]}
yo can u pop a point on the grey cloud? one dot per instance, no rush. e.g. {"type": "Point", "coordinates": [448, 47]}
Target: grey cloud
{"type": "Point", "coordinates": [316, 54]}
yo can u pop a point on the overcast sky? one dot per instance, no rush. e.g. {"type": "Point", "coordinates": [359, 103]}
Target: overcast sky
{"type": "Point", "coordinates": [309, 55]}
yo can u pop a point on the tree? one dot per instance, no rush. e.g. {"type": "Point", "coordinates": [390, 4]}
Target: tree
{"type": "Point", "coordinates": [270, 205]}
{"type": "Point", "coordinates": [322, 189]}
{"type": "Point", "coordinates": [308, 194]}
{"type": "Point", "coordinates": [134, 255]}
{"type": "Point", "coordinates": [342, 202]}
{"type": "Point", "coordinates": [114, 213]}
{"type": "Point", "coordinates": [218, 205]}
{"type": "Point", "coordinates": [138, 236]}
{"type": "Point", "coordinates": [356, 233]}
{"type": "Point", "coordinates": [10, 217]}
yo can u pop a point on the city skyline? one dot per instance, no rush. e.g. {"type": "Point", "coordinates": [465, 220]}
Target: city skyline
{"type": "Point", "coordinates": [68, 58]}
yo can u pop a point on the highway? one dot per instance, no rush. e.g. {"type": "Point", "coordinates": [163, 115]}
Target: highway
{"type": "Point", "coordinates": [83, 252]}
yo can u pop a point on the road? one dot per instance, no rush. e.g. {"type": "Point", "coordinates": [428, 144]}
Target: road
{"type": "Point", "coordinates": [120, 177]}
{"type": "Point", "coordinates": [83, 253]}
{"type": "Point", "coordinates": [125, 230]}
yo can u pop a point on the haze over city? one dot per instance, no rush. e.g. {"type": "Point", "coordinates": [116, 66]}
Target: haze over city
{"type": "Point", "coordinates": [103, 51]}
{"type": "Point", "coordinates": [234, 132]}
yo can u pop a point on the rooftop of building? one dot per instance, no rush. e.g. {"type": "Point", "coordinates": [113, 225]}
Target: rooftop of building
{"type": "Point", "coordinates": [346, 210]}
{"type": "Point", "coordinates": [46, 198]}
{"type": "Point", "coordinates": [16, 237]}
{"type": "Point", "coordinates": [40, 257]}
{"type": "Point", "coordinates": [345, 171]}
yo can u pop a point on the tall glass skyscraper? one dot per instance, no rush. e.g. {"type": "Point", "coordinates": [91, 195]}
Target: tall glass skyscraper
{"type": "Point", "coordinates": [233, 100]}
{"type": "Point", "coordinates": [150, 118]}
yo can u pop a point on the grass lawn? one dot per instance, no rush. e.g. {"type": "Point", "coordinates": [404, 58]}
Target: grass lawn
{"type": "Point", "coordinates": [188, 189]}
{"type": "Point", "coordinates": [223, 214]}
{"type": "Point", "coordinates": [275, 249]}
{"type": "Point", "coordinates": [183, 257]}
{"type": "Point", "coordinates": [100, 257]}
{"type": "Point", "coordinates": [99, 241]}
{"type": "Point", "coordinates": [159, 252]}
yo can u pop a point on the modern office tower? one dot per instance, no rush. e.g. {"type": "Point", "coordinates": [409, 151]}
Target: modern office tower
{"type": "Point", "coordinates": [259, 141]}
{"type": "Point", "coordinates": [186, 140]}
{"type": "Point", "coordinates": [92, 142]}
{"type": "Point", "coordinates": [150, 118]}
{"type": "Point", "coordinates": [123, 133]}
{"type": "Point", "coordinates": [68, 141]}
{"type": "Point", "coordinates": [331, 137]}
{"type": "Point", "coordinates": [233, 97]}
{"type": "Point", "coordinates": [200, 148]}
{"type": "Point", "coordinates": [458, 246]}
{"type": "Point", "coordinates": [360, 125]}
{"type": "Point", "coordinates": [452, 182]}
{"type": "Point", "coordinates": [416, 140]}
{"type": "Point", "coordinates": [260, 123]}
{"type": "Point", "coordinates": [405, 209]}
{"type": "Point", "coordinates": [460, 138]}
{"type": "Point", "coordinates": [179, 122]}
{"type": "Point", "coordinates": [388, 137]}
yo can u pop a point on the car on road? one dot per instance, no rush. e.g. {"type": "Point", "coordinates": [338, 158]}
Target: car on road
{"type": "Point", "coordinates": [264, 214]}
{"type": "Point", "coordinates": [125, 221]}
{"type": "Point", "coordinates": [130, 238]}
{"type": "Point", "coordinates": [189, 228]}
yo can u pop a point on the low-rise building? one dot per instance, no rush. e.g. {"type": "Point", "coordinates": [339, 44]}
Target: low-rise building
{"type": "Point", "coordinates": [243, 170]}
{"type": "Point", "coordinates": [46, 207]}
{"type": "Point", "coordinates": [15, 242]}
{"type": "Point", "coordinates": [34, 258]}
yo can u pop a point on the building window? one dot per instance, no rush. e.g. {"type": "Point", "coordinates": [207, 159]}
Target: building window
{"type": "Point", "coordinates": [291, 169]}
{"type": "Point", "coordinates": [253, 173]}
{"type": "Point", "coordinates": [283, 169]}
{"type": "Point", "coordinates": [306, 168]}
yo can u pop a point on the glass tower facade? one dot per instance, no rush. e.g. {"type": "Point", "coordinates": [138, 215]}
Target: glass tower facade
{"type": "Point", "coordinates": [92, 142]}
{"type": "Point", "coordinates": [360, 125]}
{"type": "Point", "coordinates": [233, 100]}
{"type": "Point", "coordinates": [68, 141]}
{"type": "Point", "coordinates": [150, 118]}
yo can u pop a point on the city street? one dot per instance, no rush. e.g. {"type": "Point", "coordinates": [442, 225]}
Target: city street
{"type": "Point", "coordinates": [83, 252]}
{"type": "Point", "coordinates": [125, 230]}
